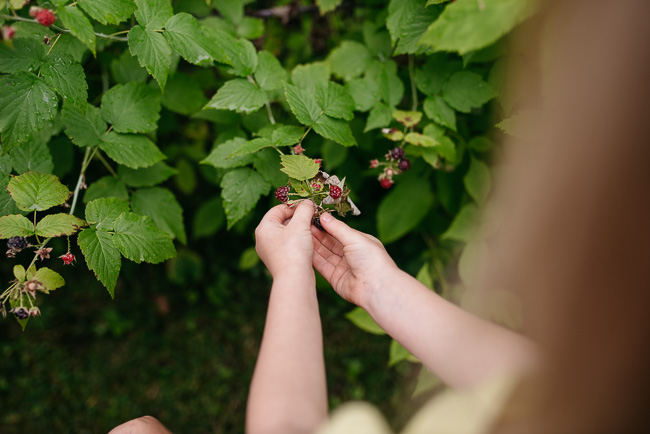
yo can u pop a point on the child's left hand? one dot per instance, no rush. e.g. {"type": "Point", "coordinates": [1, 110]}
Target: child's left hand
{"type": "Point", "coordinates": [284, 241]}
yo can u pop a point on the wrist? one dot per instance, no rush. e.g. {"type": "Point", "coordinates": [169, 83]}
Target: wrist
{"type": "Point", "coordinates": [289, 277]}
{"type": "Point", "coordinates": [377, 293]}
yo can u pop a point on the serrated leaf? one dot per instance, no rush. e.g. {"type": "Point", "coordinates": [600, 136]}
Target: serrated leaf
{"type": "Point", "coordinates": [131, 150]}
{"type": "Point", "coordinates": [183, 95]}
{"type": "Point", "coordinates": [58, 225]}
{"type": "Point", "coordinates": [51, 280]}
{"type": "Point", "coordinates": [68, 44]}
{"type": "Point", "coordinates": [153, 14]}
{"type": "Point", "coordinates": [414, 28]}
{"type": "Point", "coordinates": [132, 107]}
{"type": "Point", "coordinates": [147, 176]}
{"type": "Point", "coordinates": [379, 117]}
{"type": "Point", "coordinates": [138, 238]}
{"type": "Point", "coordinates": [438, 111]}
{"type": "Point", "coordinates": [25, 54]}
{"type": "Point", "coordinates": [250, 147]}
{"type": "Point", "coordinates": [33, 156]}
{"type": "Point", "coordinates": [126, 68]}
{"type": "Point", "coordinates": [269, 74]}
{"type": "Point", "coordinates": [464, 225]}
{"type": "Point", "coordinates": [161, 205]}
{"type": "Point", "coordinates": [19, 273]}
{"type": "Point", "coordinates": [470, 25]}
{"type": "Point", "coordinates": [418, 139]}
{"type": "Point", "coordinates": [83, 129]}
{"type": "Point", "coordinates": [152, 51]}
{"type": "Point", "coordinates": [108, 11]}
{"type": "Point", "coordinates": [334, 100]}
{"type": "Point", "coordinates": [364, 92]}
{"type": "Point", "coordinates": [299, 167]}
{"type": "Point", "coordinates": [34, 191]}
{"type": "Point", "coordinates": [103, 212]}
{"type": "Point", "coordinates": [349, 60]}
{"type": "Point", "coordinates": [403, 208]}
{"type": "Point", "coordinates": [303, 105]}
{"type": "Point", "coordinates": [101, 255]}
{"type": "Point", "coordinates": [266, 162]}
{"type": "Point", "coordinates": [386, 81]}
{"type": "Point", "coordinates": [336, 130]}
{"type": "Point", "coordinates": [186, 36]}
{"type": "Point", "coordinates": [407, 118]}
{"type": "Point", "coordinates": [477, 180]}
{"type": "Point", "coordinates": [67, 78]}
{"type": "Point", "coordinates": [364, 321]}
{"type": "Point", "coordinates": [208, 218]}
{"type": "Point", "coordinates": [435, 72]}
{"type": "Point", "coordinates": [307, 76]}
{"type": "Point", "coordinates": [239, 53]}
{"type": "Point", "coordinates": [7, 204]}
{"type": "Point", "coordinates": [241, 189]}
{"type": "Point", "coordinates": [325, 6]}
{"type": "Point", "coordinates": [287, 135]}
{"type": "Point", "coordinates": [400, 13]}
{"type": "Point", "coordinates": [107, 186]}
{"type": "Point", "coordinates": [27, 104]}
{"type": "Point", "coordinates": [15, 226]}
{"type": "Point", "coordinates": [239, 95]}
{"type": "Point", "coordinates": [222, 155]}
{"type": "Point", "coordinates": [79, 25]}
{"type": "Point", "coordinates": [466, 90]}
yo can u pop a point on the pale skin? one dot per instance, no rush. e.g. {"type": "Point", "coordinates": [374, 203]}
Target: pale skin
{"type": "Point", "coordinates": [288, 394]}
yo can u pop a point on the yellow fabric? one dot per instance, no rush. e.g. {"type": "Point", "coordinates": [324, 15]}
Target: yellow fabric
{"type": "Point", "coordinates": [452, 412]}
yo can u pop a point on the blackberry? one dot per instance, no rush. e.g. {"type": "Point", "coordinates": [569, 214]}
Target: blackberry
{"type": "Point", "coordinates": [404, 164]}
{"type": "Point", "coordinates": [319, 226]}
{"type": "Point", "coordinates": [20, 312]}
{"type": "Point", "coordinates": [282, 194]}
{"type": "Point", "coordinates": [397, 153]}
{"type": "Point", "coordinates": [17, 243]}
{"type": "Point", "coordinates": [335, 191]}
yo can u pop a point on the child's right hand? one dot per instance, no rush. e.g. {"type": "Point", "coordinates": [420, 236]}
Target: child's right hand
{"type": "Point", "coordinates": [354, 263]}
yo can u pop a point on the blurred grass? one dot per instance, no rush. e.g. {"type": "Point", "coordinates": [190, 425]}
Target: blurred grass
{"type": "Point", "coordinates": [183, 352]}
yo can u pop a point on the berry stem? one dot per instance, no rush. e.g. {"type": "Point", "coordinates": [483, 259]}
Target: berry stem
{"type": "Point", "coordinates": [414, 91]}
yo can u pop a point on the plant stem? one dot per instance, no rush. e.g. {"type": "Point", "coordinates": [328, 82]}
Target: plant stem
{"type": "Point", "coordinates": [304, 135]}
{"type": "Point", "coordinates": [53, 44]}
{"type": "Point", "coordinates": [268, 109]}
{"type": "Point", "coordinates": [106, 165]}
{"type": "Point", "coordinates": [414, 90]}
{"type": "Point", "coordinates": [61, 29]}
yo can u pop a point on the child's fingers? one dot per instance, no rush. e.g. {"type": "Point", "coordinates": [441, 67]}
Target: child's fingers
{"type": "Point", "coordinates": [303, 215]}
{"type": "Point", "coordinates": [327, 254]}
{"type": "Point", "coordinates": [328, 241]}
{"type": "Point", "coordinates": [339, 230]}
{"type": "Point", "coordinates": [278, 215]}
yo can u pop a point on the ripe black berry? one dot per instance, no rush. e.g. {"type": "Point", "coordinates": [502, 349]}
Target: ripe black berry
{"type": "Point", "coordinates": [282, 194]}
{"type": "Point", "coordinates": [20, 312]}
{"type": "Point", "coordinates": [318, 225]}
{"type": "Point", "coordinates": [335, 191]}
{"type": "Point", "coordinates": [404, 165]}
{"type": "Point", "coordinates": [17, 243]}
{"type": "Point", "coordinates": [397, 153]}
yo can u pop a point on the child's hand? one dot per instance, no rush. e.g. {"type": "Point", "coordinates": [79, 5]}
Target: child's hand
{"type": "Point", "coordinates": [354, 263]}
{"type": "Point", "coordinates": [283, 239]}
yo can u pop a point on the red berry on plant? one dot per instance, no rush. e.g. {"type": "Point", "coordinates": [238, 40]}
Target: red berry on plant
{"type": "Point", "coordinates": [34, 10]}
{"type": "Point", "coordinates": [374, 164]}
{"type": "Point", "coordinates": [404, 165]}
{"type": "Point", "coordinates": [68, 258]}
{"type": "Point", "coordinates": [335, 191]}
{"type": "Point", "coordinates": [282, 194]}
{"type": "Point", "coordinates": [45, 17]}
{"type": "Point", "coordinates": [386, 183]}
{"type": "Point", "coordinates": [298, 149]}
{"type": "Point", "coordinates": [8, 33]}
{"type": "Point", "coordinates": [319, 162]}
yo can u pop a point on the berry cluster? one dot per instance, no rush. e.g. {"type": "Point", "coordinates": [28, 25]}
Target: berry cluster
{"type": "Point", "coordinates": [395, 164]}
{"type": "Point", "coordinates": [16, 245]}
{"type": "Point", "coordinates": [45, 17]}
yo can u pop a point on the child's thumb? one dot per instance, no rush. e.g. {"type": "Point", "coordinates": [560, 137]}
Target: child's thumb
{"type": "Point", "coordinates": [339, 230]}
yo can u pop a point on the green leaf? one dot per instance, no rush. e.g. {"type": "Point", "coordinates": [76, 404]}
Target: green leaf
{"type": "Point", "coordinates": [103, 212]}
{"type": "Point", "coordinates": [438, 111]}
{"type": "Point", "coordinates": [126, 68]}
{"type": "Point", "coordinates": [67, 78]}
{"type": "Point", "coordinates": [307, 76]}
{"type": "Point", "coordinates": [287, 135]}
{"type": "Point", "coordinates": [387, 82]}
{"type": "Point", "coordinates": [19, 273]}
{"type": "Point", "coordinates": [68, 44]}
{"type": "Point", "coordinates": [83, 130]}
{"type": "Point", "coordinates": [7, 204]}
{"type": "Point", "coordinates": [153, 14]}
{"type": "Point", "coordinates": [413, 29]}
{"type": "Point", "coordinates": [424, 276]}
{"type": "Point", "coordinates": [222, 156]}
{"type": "Point", "coordinates": [335, 129]}
{"type": "Point", "coordinates": [241, 189]}
{"type": "Point", "coordinates": [464, 225]}
{"type": "Point", "coordinates": [183, 95]}
{"type": "Point", "coordinates": [15, 226]}
{"type": "Point", "coordinates": [325, 6]}
{"type": "Point", "coordinates": [269, 74]}
{"type": "Point", "coordinates": [102, 257]}
{"type": "Point", "coordinates": [108, 11]}
{"type": "Point", "coordinates": [239, 95]}
{"type": "Point", "coordinates": [379, 117]}
{"type": "Point", "coordinates": [299, 167]}
{"type": "Point", "coordinates": [107, 186]}
{"type": "Point", "coordinates": [27, 104]}
{"type": "Point", "coordinates": [208, 218]}
{"type": "Point", "coordinates": [400, 13]}
{"type": "Point", "coordinates": [466, 90]}
{"type": "Point", "coordinates": [58, 225]}
{"type": "Point", "coordinates": [138, 238]}
{"type": "Point", "coordinates": [418, 139]}
{"type": "Point", "coordinates": [303, 105]}
{"type": "Point", "coordinates": [248, 259]}
{"type": "Point", "coordinates": [161, 205]}
{"type": "Point", "coordinates": [364, 92]}
{"type": "Point", "coordinates": [403, 208]}
{"type": "Point", "coordinates": [79, 25]}
{"type": "Point", "coordinates": [186, 36]}
{"type": "Point", "coordinates": [407, 118]}
{"type": "Point", "coordinates": [249, 147]}
{"type": "Point", "coordinates": [334, 100]}
{"type": "Point", "coordinates": [349, 60]}
{"type": "Point", "coordinates": [34, 191]}
{"type": "Point", "coordinates": [25, 54]}
{"type": "Point", "coordinates": [251, 28]}
{"type": "Point", "coordinates": [239, 53]}
{"type": "Point", "coordinates": [477, 180]}
{"type": "Point", "coordinates": [364, 321]}
{"type": "Point", "coordinates": [435, 72]}
{"type": "Point", "coordinates": [266, 162]}
{"type": "Point", "coordinates": [131, 150]}
{"type": "Point", "coordinates": [398, 353]}
{"type": "Point", "coordinates": [146, 177]}
{"type": "Point", "coordinates": [33, 156]}
{"type": "Point", "coordinates": [470, 25]}
{"type": "Point", "coordinates": [152, 51]}
{"type": "Point", "coordinates": [51, 280]}
{"type": "Point", "coordinates": [132, 107]}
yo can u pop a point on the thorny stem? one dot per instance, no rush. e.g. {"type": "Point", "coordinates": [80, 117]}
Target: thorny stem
{"type": "Point", "coordinates": [61, 29]}
{"type": "Point", "coordinates": [414, 91]}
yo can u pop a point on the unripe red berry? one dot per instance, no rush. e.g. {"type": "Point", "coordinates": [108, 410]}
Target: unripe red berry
{"type": "Point", "coordinates": [45, 17]}
{"type": "Point", "coordinates": [386, 183]}
{"type": "Point", "coordinates": [319, 162]}
{"type": "Point", "coordinates": [8, 33]}
{"type": "Point", "coordinates": [404, 165]}
{"type": "Point", "coordinates": [282, 194]}
{"type": "Point", "coordinates": [298, 149]}
{"type": "Point", "coordinates": [335, 191]}
{"type": "Point", "coordinates": [68, 258]}
{"type": "Point", "coordinates": [374, 164]}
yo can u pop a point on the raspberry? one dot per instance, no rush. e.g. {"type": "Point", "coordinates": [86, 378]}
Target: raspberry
{"type": "Point", "coordinates": [298, 149]}
{"type": "Point", "coordinates": [68, 258]}
{"type": "Point", "coordinates": [8, 33]}
{"type": "Point", "coordinates": [386, 183]}
{"type": "Point", "coordinates": [319, 162]}
{"type": "Point", "coordinates": [20, 312]}
{"type": "Point", "coordinates": [34, 10]}
{"type": "Point", "coordinates": [397, 153]}
{"type": "Point", "coordinates": [374, 164]}
{"type": "Point", "coordinates": [17, 243]}
{"type": "Point", "coordinates": [335, 191]}
{"type": "Point", "coordinates": [316, 186]}
{"type": "Point", "coordinates": [45, 17]}
{"type": "Point", "coordinates": [282, 194]}
{"type": "Point", "coordinates": [404, 164]}
{"type": "Point", "coordinates": [318, 225]}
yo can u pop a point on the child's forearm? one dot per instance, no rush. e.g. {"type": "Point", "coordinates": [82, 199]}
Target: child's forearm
{"type": "Point", "coordinates": [288, 393]}
{"type": "Point", "coordinates": [460, 348]}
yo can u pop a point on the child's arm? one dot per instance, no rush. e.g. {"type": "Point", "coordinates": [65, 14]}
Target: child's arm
{"type": "Point", "coordinates": [459, 347]}
{"type": "Point", "coordinates": [288, 393]}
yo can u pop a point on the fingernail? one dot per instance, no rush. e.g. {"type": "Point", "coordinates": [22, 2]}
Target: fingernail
{"type": "Point", "coordinates": [325, 217]}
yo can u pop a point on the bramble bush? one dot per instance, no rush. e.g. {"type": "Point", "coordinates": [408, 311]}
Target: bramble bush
{"type": "Point", "coordinates": [122, 99]}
